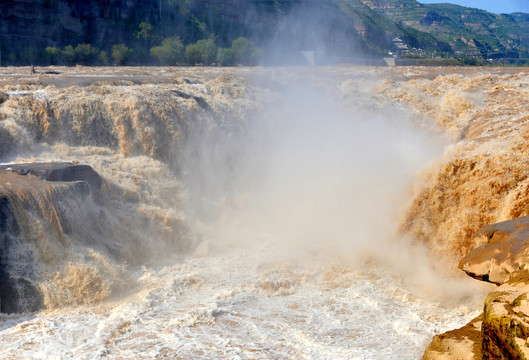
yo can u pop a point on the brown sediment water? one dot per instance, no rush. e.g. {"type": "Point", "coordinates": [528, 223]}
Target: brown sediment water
{"type": "Point", "coordinates": [260, 212]}
{"type": "Point", "coordinates": [482, 178]}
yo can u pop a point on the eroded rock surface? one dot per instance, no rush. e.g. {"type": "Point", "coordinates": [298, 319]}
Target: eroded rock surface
{"type": "Point", "coordinates": [506, 251]}
{"type": "Point", "coordinates": [505, 323]}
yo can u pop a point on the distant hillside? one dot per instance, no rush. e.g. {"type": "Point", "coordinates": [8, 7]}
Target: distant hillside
{"type": "Point", "coordinates": [465, 29]}
{"type": "Point", "coordinates": [89, 31]}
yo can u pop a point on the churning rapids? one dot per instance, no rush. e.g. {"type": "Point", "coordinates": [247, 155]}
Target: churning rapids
{"type": "Point", "coordinates": [253, 213]}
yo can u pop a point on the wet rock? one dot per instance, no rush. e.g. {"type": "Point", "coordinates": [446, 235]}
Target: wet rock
{"type": "Point", "coordinates": [200, 101]}
{"type": "Point", "coordinates": [54, 190]}
{"type": "Point", "coordinates": [18, 293]}
{"type": "Point", "coordinates": [57, 171]}
{"type": "Point", "coordinates": [506, 251]}
{"type": "Point", "coordinates": [3, 97]}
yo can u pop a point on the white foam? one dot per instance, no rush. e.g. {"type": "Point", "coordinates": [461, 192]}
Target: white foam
{"type": "Point", "coordinates": [217, 307]}
{"type": "Point", "coordinates": [40, 95]}
{"type": "Point", "coordinates": [264, 283]}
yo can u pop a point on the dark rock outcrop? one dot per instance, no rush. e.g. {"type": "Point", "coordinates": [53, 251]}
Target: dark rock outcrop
{"type": "Point", "coordinates": [18, 293]}
{"type": "Point", "coordinates": [200, 101]}
{"type": "Point", "coordinates": [433, 18]}
{"type": "Point", "coordinates": [35, 188]}
{"type": "Point", "coordinates": [3, 97]}
{"type": "Point", "coordinates": [57, 171]}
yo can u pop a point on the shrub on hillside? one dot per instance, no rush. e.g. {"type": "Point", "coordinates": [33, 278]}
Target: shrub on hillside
{"type": "Point", "coordinates": [242, 52]}
{"type": "Point", "coordinates": [121, 54]}
{"type": "Point", "coordinates": [52, 55]}
{"type": "Point", "coordinates": [227, 57]}
{"type": "Point", "coordinates": [85, 54]}
{"type": "Point", "coordinates": [170, 52]}
{"type": "Point", "coordinates": [202, 52]}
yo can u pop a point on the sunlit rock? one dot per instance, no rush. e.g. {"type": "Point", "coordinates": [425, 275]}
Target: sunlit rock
{"type": "Point", "coordinates": [502, 331]}
{"type": "Point", "coordinates": [462, 344]}
{"type": "Point", "coordinates": [506, 251]}
{"type": "Point", "coordinates": [505, 326]}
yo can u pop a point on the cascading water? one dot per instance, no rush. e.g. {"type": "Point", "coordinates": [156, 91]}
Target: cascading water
{"type": "Point", "coordinates": [243, 213]}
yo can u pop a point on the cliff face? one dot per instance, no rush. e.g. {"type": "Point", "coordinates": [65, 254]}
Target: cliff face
{"type": "Point", "coordinates": [392, 7]}
{"type": "Point", "coordinates": [339, 27]}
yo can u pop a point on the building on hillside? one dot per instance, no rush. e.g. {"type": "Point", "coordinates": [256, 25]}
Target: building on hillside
{"type": "Point", "coordinates": [399, 47]}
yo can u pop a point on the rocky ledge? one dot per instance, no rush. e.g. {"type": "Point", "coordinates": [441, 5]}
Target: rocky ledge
{"type": "Point", "coordinates": [42, 191]}
{"type": "Point", "coordinates": [57, 171]}
{"type": "Point", "coordinates": [502, 331]}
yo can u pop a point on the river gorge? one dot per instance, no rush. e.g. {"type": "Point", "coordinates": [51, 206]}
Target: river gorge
{"type": "Point", "coordinates": [256, 213]}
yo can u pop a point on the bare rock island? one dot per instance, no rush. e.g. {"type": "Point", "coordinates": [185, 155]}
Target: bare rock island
{"type": "Point", "coordinates": [502, 331]}
{"type": "Point", "coordinates": [35, 194]}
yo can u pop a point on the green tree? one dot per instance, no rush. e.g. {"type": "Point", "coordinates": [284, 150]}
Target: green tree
{"type": "Point", "coordinates": [227, 57]}
{"type": "Point", "coordinates": [170, 52]}
{"type": "Point", "coordinates": [140, 55]}
{"type": "Point", "coordinates": [471, 61]}
{"type": "Point", "coordinates": [85, 53]}
{"type": "Point", "coordinates": [103, 58]}
{"type": "Point", "coordinates": [145, 33]}
{"type": "Point", "coordinates": [242, 51]}
{"type": "Point", "coordinates": [52, 55]}
{"type": "Point", "coordinates": [202, 52]}
{"type": "Point", "coordinates": [68, 53]}
{"type": "Point", "coordinates": [200, 27]}
{"type": "Point", "coordinates": [120, 53]}
{"type": "Point", "coordinates": [247, 52]}
{"type": "Point", "coordinates": [194, 54]}
{"type": "Point", "coordinates": [210, 49]}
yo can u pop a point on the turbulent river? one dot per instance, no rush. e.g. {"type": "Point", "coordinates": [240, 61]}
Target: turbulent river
{"type": "Point", "coordinates": [260, 213]}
